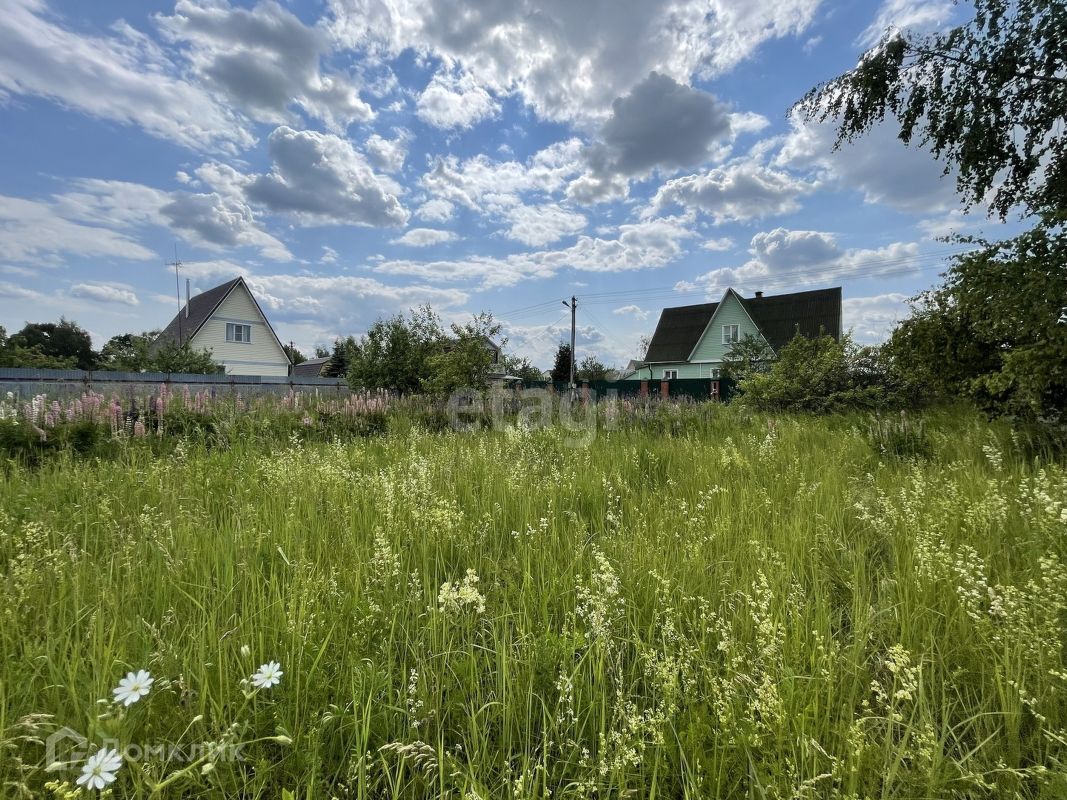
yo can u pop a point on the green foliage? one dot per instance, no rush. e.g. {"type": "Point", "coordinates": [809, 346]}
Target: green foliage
{"type": "Point", "coordinates": [466, 358]}
{"type": "Point", "coordinates": [294, 354]}
{"type": "Point", "coordinates": [503, 614]}
{"type": "Point", "coordinates": [750, 355]}
{"type": "Point", "coordinates": [817, 374]}
{"type": "Point", "coordinates": [171, 357]}
{"type": "Point", "coordinates": [901, 437]}
{"type": "Point", "coordinates": [128, 352]}
{"type": "Point", "coordinates": [993, 331]}
{"type": "Point", "coordinates": [341, 358]}
{"type": "Point", "coordinates": [57, 345]}
{"type": "Point", "coordinates": [591, 368]}
{"type": "Point", "coordinates": [989, 97]}
{"type": "Point", "coordinates": [561, 367]}
{"type": "Point", "coordinates": [395, 353]}
{"type": "Point", "coordinates": [522, 368]}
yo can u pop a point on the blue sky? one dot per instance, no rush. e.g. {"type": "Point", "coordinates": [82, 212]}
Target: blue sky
{"type": "Point", "coordinates": [355, 158]}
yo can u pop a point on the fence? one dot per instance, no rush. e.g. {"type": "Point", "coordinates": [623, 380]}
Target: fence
{"type": "Point", "coordinates": [691, 388]}
{"type": "Point", "coordinates": [59, 383]}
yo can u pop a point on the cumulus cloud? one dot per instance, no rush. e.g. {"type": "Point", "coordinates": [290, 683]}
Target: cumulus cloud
{"type": "Point", "coordinates": [734, 193]}
{"type": "Point", "coordinates": [264, 59]}
{"type": "Point", "coordinates": [124, 77]}
{"type": "Point", "coordinates": [872, 319]}
{"type": "Point", "coordinates": [387, 155]}
{"type": "Point", "coordinates": [718, 245]}
{"type": "Point", "coordinates": [537, 226]}
{"type": "Point", "coordinates": [636, 311]}
{"type": "Point", "coordinates": [643, 245]}
{"type": "Point", "coordinates": [425, 237]}
{"type": "Point", "coordinates": [322, 179]}
{"type": "Point", "coordinates": [569, 60]}
{"type": "Point", "coordinates": [105, 293]}
{"type": "Point", "coordinates": [36, 232]}
{"type": "Point", "coordinates": [879, 165]}
{"type": "Point", "coordinates": [783, 259]}
{"type": "Point", "coordinates": [917, 15]}
{"type": "Point", "coordinates": [435, 210]}
{"type": "Point", "coordinates": [455, 101]}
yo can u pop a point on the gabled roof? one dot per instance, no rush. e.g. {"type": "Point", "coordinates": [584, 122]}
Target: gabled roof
{"type": "Point", "coordinates": [777, 316]}
{"type": "Point", "coordinates": [310, 367]}
{"type": "Point", "coordinates": [200, 308]}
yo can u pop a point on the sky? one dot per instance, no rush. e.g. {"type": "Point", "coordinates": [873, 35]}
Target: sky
{"type": "Point", "coordinates": [353, 159]}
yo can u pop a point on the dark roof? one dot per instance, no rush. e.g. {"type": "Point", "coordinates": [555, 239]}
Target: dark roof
{"type": "Point", "coordinates": [310, 368]}
{"type": "Point", "coordinates": [678, 332]}
{"type": "Point", "coordinates": [201, 308]}
{"type": "Point", "coordinates": [777, 316]}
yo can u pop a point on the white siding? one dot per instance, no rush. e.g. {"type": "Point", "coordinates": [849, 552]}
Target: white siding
{"type": "Point", "coordinates": [261, 356]}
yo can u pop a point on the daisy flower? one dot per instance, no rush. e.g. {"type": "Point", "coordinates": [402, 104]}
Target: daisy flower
{"type": "Point", "coordinates": [133, 687]}
{"type": "Point", "coordinates": [100, 769]}
{"type": "Point", "coordinates": [269, 674]}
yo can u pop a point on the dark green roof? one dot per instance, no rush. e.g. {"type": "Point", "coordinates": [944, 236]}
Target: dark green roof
{"type": "Point", "coordinates": [777, 316]}
{"type": "Point", "coordinates": [183, 327]}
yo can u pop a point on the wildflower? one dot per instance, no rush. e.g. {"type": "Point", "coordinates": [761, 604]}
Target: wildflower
{"type": "Point", "coordinates": [454, 598]}
{"type": "Point", "coordinates": [100, 769]}
{"type": "Point", "coordinates": [133, 687]}
{"type": "Point", "coordinates": [269, 674]}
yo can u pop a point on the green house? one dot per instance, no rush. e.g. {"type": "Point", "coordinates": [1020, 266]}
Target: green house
{"type": "Point", "coordinates": [691, 341]}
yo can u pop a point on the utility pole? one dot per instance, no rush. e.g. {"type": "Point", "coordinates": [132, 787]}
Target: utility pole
{"type": "Point", "coordinates": [177, 290]}
{"type": "Point", "coordinates": [572, 305]}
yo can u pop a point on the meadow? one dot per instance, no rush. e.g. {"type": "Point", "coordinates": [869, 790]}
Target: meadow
{"type": "Point", "coordinates": [701, 602]}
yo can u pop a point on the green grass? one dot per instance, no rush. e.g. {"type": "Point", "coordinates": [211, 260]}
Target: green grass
{"type": "Point", "coordinates": [733, 606]}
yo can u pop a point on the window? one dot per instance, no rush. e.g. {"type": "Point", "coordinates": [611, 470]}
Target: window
{"type": "Point", "coordinates": [715, 373]}
{"type": "Point", "coordinates": [236, 332]}
{"type": "Point", "coordinates": [730, 334]}
{"type": "Point", "coordinates": [670, 374]}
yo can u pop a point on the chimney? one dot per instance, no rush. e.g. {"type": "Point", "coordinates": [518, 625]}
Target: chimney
{"type": "Point", "coordinates": [186, 298]}
{"type": "Point", "coordinates": [759, 295]}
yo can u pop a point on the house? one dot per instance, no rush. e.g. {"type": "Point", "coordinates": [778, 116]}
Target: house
{"type": "Point", "coordinates": [228, 321]}
{"type": "Point", "coordinates": [691, 341]}
{"type": "Point", "coordinates": [311, 368]}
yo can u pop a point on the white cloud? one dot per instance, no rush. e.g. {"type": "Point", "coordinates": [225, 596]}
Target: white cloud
{"type": "Point", "coordinates": [570, 60]}
{"type": "Point", "coordinates": [36, 232]}
{"type": "Point", "coordinates": [878, 164]}
{"type": "Point", "coordinates": [329, 255]}
{"type": "Point", "coordinates": [387, 155]}
{"type": "Point", "coordinates": [785, 259]}
{"type": "Point", "coordinates": [321, 180]}
{"type": "Point", "coordinates": [425, 237]}
{"type": "Point", "coordinates": [718, 245]}
{"type": "Point", "coordinates": [15, 292]}
{"type": "Point", "coordinates": [537, 226]}
{"type": "Point", "coordinates": [455, 101]}
{"type": "Point", "coordinates": [643, 245]}
{"type": "Point", "coordinates": [124, 77]}
{"type": "Point", "coordinates": [105, 293]}
{"type": "Point", "coordinates": [636, 311]}
{"type": "Point", "coordinates": [872, 319]}
{"type": "Point", "coordinates": [264, 60]}
{"type": "Point", "coordinates": [916, 15]}
{"type": "Point", "coordinates": [736, 192]}
{"type": "Point", "coordinates": [435, 210]}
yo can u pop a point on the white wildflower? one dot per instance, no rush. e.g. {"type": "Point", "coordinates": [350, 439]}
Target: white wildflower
{"type": "Point", "coordinates": [133, 687]}
{"type": "Point", "coordinates": [455, 598]}
{"type": "Point", "coordinates": [99, 771]}
{"type": "Point", "coordinates": [269, 674]}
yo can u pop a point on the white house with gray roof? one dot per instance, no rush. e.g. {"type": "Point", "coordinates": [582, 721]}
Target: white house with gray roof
{"type": "Point", "coordinates": [229, 322]}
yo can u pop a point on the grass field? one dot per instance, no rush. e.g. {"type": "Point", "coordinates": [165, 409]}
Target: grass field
{"type": "Point", "coordinates": [735, 606]}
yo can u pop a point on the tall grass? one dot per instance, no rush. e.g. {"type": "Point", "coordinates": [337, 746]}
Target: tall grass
{"type": "Point", "coordinates": [741, 606]}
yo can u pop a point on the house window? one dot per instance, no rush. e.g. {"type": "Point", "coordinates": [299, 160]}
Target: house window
{"type": "Point", "coordinates": [716, 373]}
{"type": "Point", "coordinates": [236, 332]}
{"type": "Point", "coordinates": [730, 334]}
{"type": "Point", "coordinates": [670, 374]}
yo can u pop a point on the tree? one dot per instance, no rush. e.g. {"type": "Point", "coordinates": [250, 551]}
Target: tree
{"type": "Point", "coordinates": [465, 359]}
{"type": "Point", "coordinates": [321, 352]}
{"type": "Point", "coordinates": [995, 331]}
{"type": "Point", "coordinates": [522, 368]}
{"type": "Point", "coordinates": [561, 369]}
{"type": "Point", "coordinates": [60, 340]}
{"type": "Point", "coordinates": [592, 368]}
{"type": "Point", "coordinates": [394, 353]}
{"type": "Point", "coordinates": [14, 355]}
{"type": "Point", "coordinates": [340, 358]}
{"type": "Point", "coordinates": [172, 357]}
{"type": "Point", "coordinates": [127, 352]}
{"type": "Point", "coordinates": [989, 97]}
{"type": "Point", "coordinates": [750, 355]}
{"type": "Point", "coordinates": [294, 354]}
